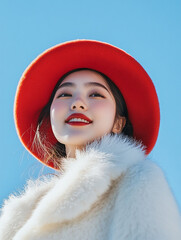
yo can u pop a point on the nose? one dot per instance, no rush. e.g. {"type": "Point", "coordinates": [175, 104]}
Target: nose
{"type": "Point", "coordinates": [78, 104]}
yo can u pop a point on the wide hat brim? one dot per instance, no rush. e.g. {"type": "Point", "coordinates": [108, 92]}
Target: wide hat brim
{"type": "Point", "coordinates": [39, 79]}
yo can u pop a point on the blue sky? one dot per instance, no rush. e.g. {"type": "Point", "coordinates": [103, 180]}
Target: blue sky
{"type": "Point", "coordinates": [148, 30]}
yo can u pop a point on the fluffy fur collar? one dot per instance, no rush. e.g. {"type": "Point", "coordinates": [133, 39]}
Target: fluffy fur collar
{"type": "Point", "coordinates": [80, 184]}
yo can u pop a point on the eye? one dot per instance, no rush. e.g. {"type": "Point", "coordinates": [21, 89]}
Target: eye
{"type": "Point", "coordinates": [64, 95]}
{"type": "Point", "coordinates": [96, 95]}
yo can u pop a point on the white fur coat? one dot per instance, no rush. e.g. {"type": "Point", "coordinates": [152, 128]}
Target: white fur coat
{"type": "Point", "coordinates": [108, 192]}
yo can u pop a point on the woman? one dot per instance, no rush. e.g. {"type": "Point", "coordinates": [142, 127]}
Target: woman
{"type": "Point", "coordinates": [90, 111]}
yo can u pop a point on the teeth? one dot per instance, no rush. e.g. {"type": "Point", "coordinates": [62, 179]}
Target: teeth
{"type": "Point", "coordinates": [78, 120]}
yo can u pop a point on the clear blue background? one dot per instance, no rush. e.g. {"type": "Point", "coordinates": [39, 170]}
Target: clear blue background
{"type": "Point", "coordinates": [148, 30]}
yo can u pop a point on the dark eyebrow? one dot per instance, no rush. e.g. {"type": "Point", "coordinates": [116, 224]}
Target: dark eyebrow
{"type": "Point", "coordinates": [96, 84]}
{"type": "Point", "coordinates": [71, 84]}
{"type": "Point", "coordinates": [67, 84]}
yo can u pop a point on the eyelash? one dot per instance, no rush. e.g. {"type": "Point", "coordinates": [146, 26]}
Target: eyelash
{"type": "Point", "coordinates": [69, 95]}
{"type": "Point", "coordinates": [97, 95]}
{"type": "Point", "coordinates": [65, 95]}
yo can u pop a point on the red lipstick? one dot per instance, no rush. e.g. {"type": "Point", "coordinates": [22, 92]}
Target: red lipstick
{"type": "Point", "coordinates": [78, 117]}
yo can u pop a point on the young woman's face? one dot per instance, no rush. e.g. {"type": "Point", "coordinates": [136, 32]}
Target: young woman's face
{"type": "Point", "coordinates": [83, 109]}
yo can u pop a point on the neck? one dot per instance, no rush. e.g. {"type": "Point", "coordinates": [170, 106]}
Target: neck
{"type": "Point", "coordinates": [71, 149]}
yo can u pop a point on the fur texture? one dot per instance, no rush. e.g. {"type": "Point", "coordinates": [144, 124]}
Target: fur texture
{"type": "Point", "coordinates": [109, 191]}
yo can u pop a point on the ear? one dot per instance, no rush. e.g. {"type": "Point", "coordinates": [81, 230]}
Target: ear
{"type": "Point", "coordinates": [119, 124]}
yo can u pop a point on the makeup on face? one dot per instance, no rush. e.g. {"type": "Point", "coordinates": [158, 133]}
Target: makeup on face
{"type": "Point", "coordinates": [83, 109]}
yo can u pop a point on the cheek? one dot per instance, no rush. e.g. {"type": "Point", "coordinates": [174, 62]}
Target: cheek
{"type": "Point", "coordinates": [105, 112]}
{"type": "Point", "coordinates": [58, 111]}
{"type": "Point", "coordinates": [57, 117]}
{"type": "Point", "coordinates": [58, 114]}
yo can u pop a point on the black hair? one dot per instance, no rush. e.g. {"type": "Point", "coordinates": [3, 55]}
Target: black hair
{"type": "Point", "coordinates": [56, 152]}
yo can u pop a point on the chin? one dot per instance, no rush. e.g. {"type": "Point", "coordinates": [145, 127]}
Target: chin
{"type": "Point", "coordinates": [77, 140]}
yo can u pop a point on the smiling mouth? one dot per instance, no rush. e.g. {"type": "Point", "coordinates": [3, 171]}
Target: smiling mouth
{"type": "Point", "coordinates": [78, 120]}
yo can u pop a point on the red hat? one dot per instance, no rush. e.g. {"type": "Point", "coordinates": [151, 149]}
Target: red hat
{"type": "Point", "coordinates": [39, 79]}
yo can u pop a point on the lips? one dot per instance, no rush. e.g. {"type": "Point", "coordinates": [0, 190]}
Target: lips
{"type": "Point", "coordinates": [78, 119]}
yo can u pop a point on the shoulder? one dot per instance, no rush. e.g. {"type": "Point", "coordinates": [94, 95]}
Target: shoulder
{"type": "Point", "coordinates": [147, 178]}
{"type": "Point", "coordinates": [32, 191]}
{"type": "Point", "coordinates": [19, 206]}
{"type": "Point", "coordinates": [146, 172]}
{"type": "Point", "coordinates": [143, 177]}
{"type": "Point", "coordinates": [144, 196]}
